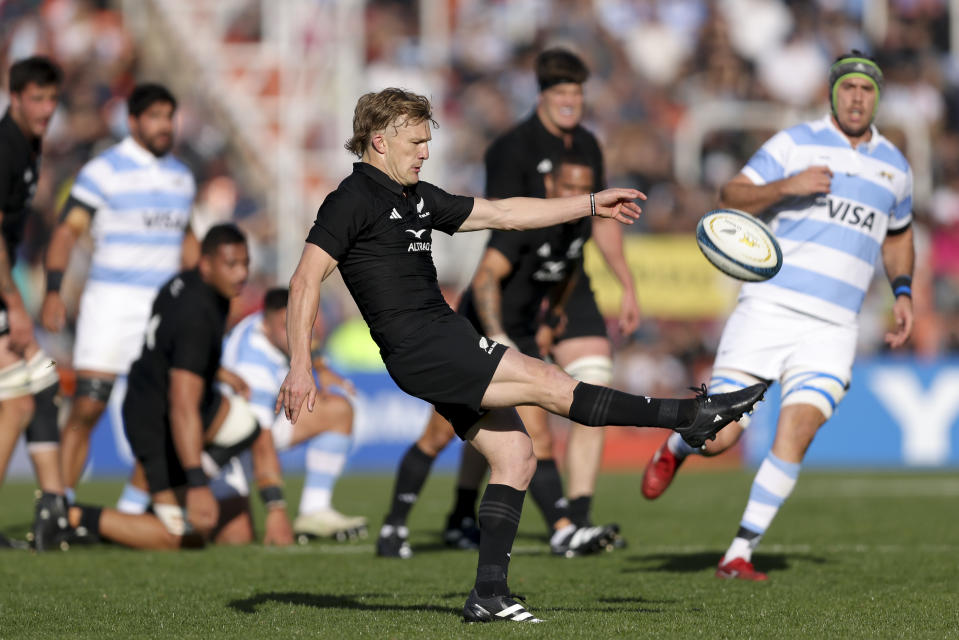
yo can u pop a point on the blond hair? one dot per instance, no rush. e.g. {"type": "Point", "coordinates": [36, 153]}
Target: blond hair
{"type": "Point", "coordinates": [376, 111]}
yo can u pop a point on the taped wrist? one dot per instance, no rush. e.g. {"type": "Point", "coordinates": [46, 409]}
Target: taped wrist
{"type": "Point", "coordinates": [272, 497]}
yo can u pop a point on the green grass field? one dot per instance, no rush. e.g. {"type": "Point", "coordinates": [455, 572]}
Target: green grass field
{"type": "Point", "coordinates": [850, 555]}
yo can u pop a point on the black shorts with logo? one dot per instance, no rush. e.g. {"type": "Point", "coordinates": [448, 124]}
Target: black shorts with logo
{"type": "Point", "coordinates": [448, 364]}
{"type": "Point", "coordinates": [583, 319]}
{"type": "Point", "coordinates": [151, 440]}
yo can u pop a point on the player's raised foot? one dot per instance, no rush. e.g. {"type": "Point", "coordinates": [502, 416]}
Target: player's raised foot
{"type": "Point", "coordinates": [496, 608]}
{"type": "Point", "coordinates": [713, 412]}
{"type": "Point", "coordinates": [393, 542]}
{"type": "Point", "coordinates": [51, 528]}
{"type": "Point", "coordinates": [330, 523]}
{"type": "Point", "coordinates": [739, 569]}
{"type": "Point", "coordinates": [461, 533]}
{"type": "Point", "coordinates": [660, 472]}
{"type": "Point", "coordinates": [573, 541]}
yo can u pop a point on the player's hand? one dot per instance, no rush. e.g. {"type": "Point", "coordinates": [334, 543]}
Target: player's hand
{"type": "Point", "coordinates": [329, 378]}
{"type": "Point", "coordinates": [545, 337]}
{"type": "Point", "coordinates": [504, 340]}
{"type": "Point", "coordinates": [21, 329]}
{"type": "Point", "coordinates": [202, 510]}
{"type": "Point", "coordinates": [53, 313]}
{"type": "Point", "coordinates": [297, 387]}
{"type": "Point", "coordinates": [815, 179]}
{"type": "Point", "coordinates": [629, 316]}
{"type": "Point", "coordinates": [235, 382]}
{"type": "Point", "coordinates": [619, 204]}
{"type": "Point", "coordinates": [902, 314]}
{"type": "Point", "coordinates": [279, 531]}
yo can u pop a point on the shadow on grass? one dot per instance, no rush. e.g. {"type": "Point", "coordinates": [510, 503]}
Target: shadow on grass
{"type": "Point", "coordinates": [356, 602]}
{"type": "Point", "coordinates": [694, 562]}
{"type": "Point", "coordinates": [330, 601]}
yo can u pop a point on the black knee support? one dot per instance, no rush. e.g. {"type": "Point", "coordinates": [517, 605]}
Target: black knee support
{"type": "Point", "coordinates": [94, 388]}
{"type": "Point", "coordinates": [43, 427]}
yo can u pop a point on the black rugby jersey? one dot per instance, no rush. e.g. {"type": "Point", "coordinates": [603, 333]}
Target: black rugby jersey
{"type": "Point", "coordinates": [517, 161]}
{"type": "Point", "coordinates": [380, 234]}
{"type": "Point", "coordinates": [185, 331]}
{"type": "Point", "coordinates": [541, 259]}
{"type": "Point", "coordinates": [19, 159]}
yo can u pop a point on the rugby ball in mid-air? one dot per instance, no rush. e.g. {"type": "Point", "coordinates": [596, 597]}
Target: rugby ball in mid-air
{"type": "Point", "coordinates": [739, 245]}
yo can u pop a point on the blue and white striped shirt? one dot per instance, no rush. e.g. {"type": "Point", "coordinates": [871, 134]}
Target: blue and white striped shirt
{"type": "Point", "coordinates": [142, 206]}
{"type": "Point", "coordinates": [250, 354]}
{"type": "Point", "coordinates": [831, 244]}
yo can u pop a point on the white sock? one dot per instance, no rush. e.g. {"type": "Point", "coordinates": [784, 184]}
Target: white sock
{"type": "Point", "coordinates": [678, 446]}
{"type": "Point", "coordinates": [325, 459]}
{"type": "Point", "coordinates": [133, 500]}
{"type": "Point", "coordinates": [772, 485]}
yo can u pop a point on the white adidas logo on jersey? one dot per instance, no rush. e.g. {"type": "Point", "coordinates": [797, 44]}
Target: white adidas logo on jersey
{"type": "Point", "coordinates": [395, 215]}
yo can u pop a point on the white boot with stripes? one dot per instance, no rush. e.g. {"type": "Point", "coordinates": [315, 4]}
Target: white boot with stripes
{"type": "Point", "coordinates": [496, 608]}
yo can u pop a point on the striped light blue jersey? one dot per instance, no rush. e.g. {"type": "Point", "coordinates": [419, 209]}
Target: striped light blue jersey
{"type": "Point", "coordinates": [142, 208]}
{"type": "Point", "coordinates": [831, 244]}
{"type": "Point", "coordinates": [250, 354]}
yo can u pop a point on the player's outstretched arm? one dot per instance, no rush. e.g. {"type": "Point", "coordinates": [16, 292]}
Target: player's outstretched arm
{"type": "Point", "coordinates": [741, 193]}
{"type": "Point", "coordinates": [518, 214]}
{"type": "Point", "coordinates": [75, 222]}
{"type": "Point", "coordinates": [314, 267]}
{"type": "Point", "coordinates": [899, 256]}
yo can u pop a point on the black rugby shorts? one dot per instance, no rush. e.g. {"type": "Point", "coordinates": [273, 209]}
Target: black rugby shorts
{"type": "Point", "coordinates": [583, 319]}
{"type": "Point", "coordinates": [151, 440]}
{"type": "Point", "coordinates": [448, 364]}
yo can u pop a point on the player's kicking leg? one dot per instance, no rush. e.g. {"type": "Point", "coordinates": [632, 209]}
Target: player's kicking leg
{"type": "Point", "coordinates": [523, 380]}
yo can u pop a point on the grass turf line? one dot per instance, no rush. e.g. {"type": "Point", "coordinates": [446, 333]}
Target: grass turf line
{"type": "Point", "coordinates": [850, 555]}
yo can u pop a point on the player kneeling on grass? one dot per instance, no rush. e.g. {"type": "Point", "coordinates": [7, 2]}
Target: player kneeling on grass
{"type": "Point", "coordinates": [257, 351]}
{"type": "Point", "coordinates": [172, 412]}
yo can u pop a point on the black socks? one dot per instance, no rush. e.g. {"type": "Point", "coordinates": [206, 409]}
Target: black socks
{"type": "Point", "coordinates": [546, 488]}
{"type": "Point", "coordinates": [410, 477]}
{"type": "Point", "coordinates": [579, 509]}
{"type": "Point", "coordinates": [597, 406]}
{"type": "Point", "coordinates": [499, 514]}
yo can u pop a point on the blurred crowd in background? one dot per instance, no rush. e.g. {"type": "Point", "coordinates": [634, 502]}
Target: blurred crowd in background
{"type": "Point", "coordinates": [652, 61]}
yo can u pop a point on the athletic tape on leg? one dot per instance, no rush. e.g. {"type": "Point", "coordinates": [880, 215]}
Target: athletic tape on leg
{"type": "Point", "coordinates": [14, 381]}
{"type": "Point", "coordinates": [817, 388]}
{"type": "Point", "coordinates": [173, 518]}
{"type": "Point", "coordinates": [592, 370]}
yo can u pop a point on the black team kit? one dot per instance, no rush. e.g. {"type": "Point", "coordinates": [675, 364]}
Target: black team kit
{"type": "Point", "coordinates": [19, 169]}
{"type": "Point", "coordinates": [379, 232]}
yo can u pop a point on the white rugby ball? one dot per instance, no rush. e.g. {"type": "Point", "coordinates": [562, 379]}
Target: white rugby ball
{"type": "Point", "coordinates": [739, 245]}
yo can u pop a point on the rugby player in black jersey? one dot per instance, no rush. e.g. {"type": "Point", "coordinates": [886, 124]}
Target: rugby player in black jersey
{"type": "Point", "coordinates": [517, 164]}
{"type": "Point", "coordinates": [28, 378]}
{"type": "Point", "coordinates": [172, 414]}
{"type": "Point", "coordinates": [518, 272]}
{"type": "Point", "coordinates": [377, 228]}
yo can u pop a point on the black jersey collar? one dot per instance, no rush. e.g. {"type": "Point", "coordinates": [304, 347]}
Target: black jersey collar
{"type": "Point", "coordinates": [10, 125]}
{"type": "Point", "coordinates": [380, 178]}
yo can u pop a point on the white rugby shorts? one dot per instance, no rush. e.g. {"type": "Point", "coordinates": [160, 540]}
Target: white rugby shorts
{"type": "Point", "coordinates": [767, 340]}
{"type": "Point", "coordinates": [110, 326]}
